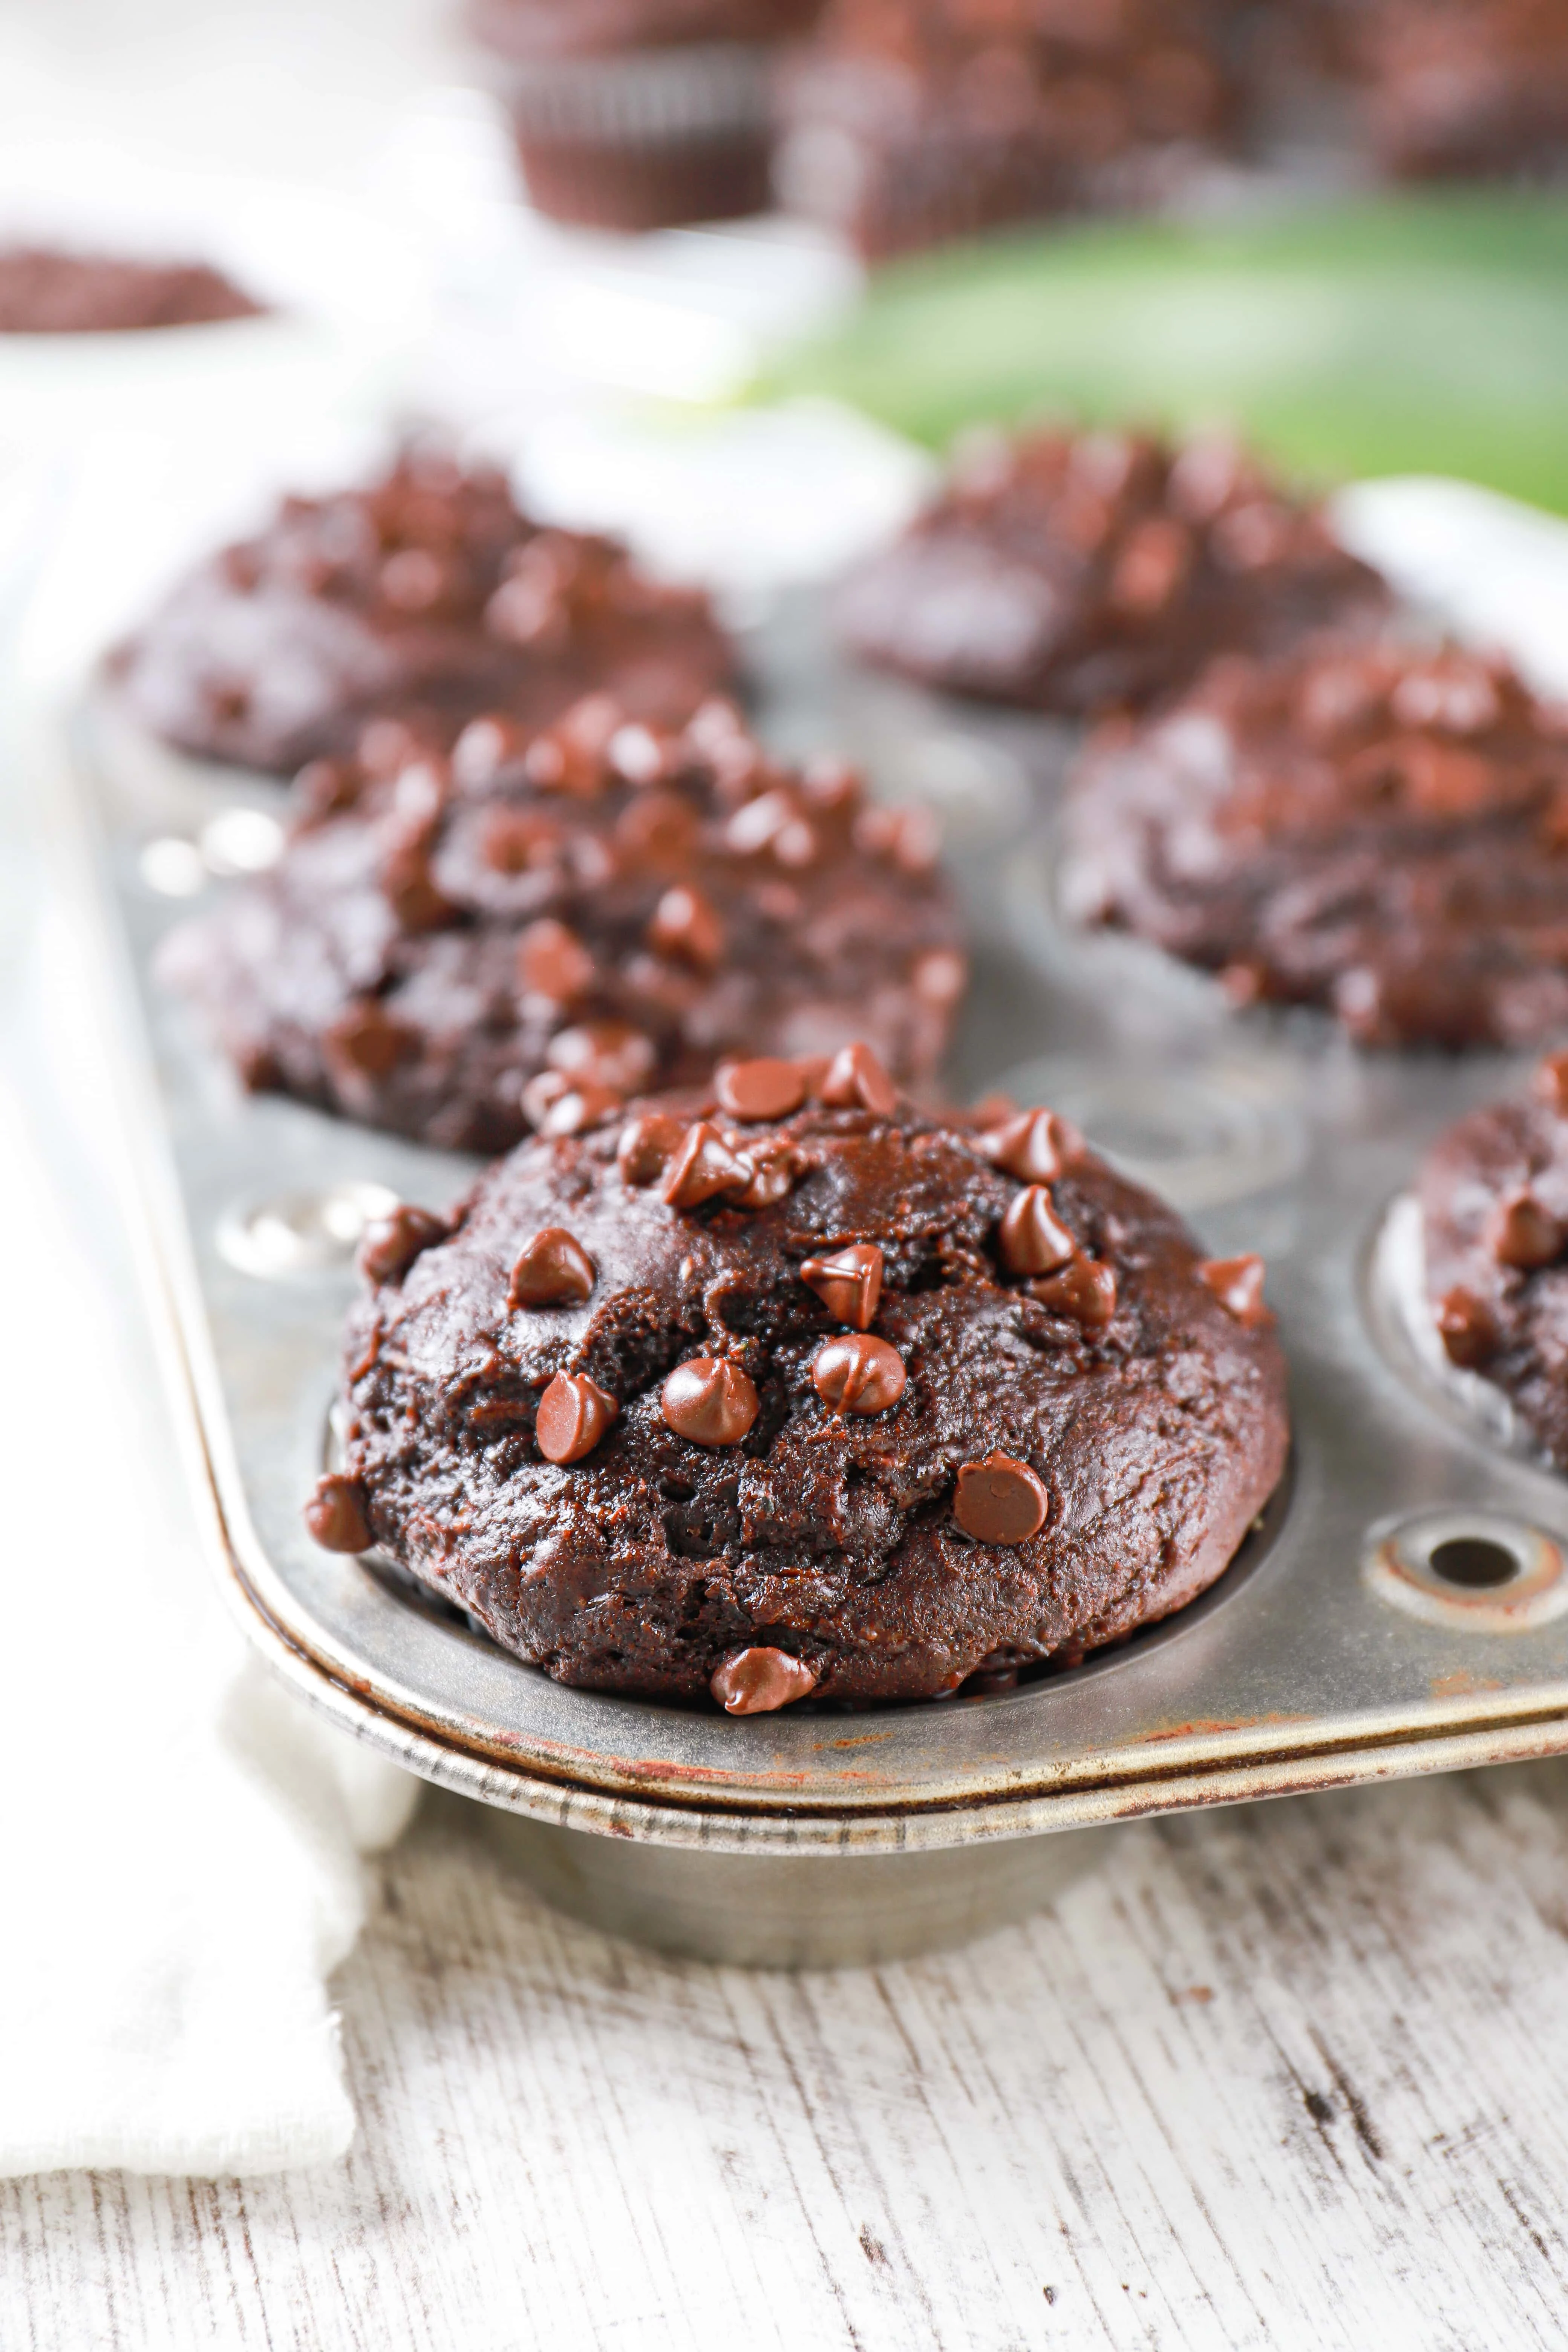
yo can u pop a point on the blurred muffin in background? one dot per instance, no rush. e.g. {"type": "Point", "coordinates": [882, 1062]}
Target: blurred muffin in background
{"type": "Point", "coordinates": [1473, 88]}
{"type": "Point", "coordinates": [426, 596]}
{"type": "Point", "coordinates": [639, 114]}
{"type": "Point", "coordinates": [1074, 573]}
{"type": "Point", "coordinates": [913, 122]}
{"type": "Point", "coordinates": [45, 291]}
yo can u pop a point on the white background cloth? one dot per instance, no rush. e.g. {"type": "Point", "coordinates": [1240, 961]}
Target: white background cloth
{"type": "Point", "coordinates": [181, 1840]}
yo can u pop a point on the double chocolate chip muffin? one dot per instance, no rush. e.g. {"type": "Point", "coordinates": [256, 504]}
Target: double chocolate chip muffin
{"type": "Point", "coordinates": [534, 927]}
{"type": "Point", "coordinates": [427, 594]}
{"type": "Point", "coordinates": [1494, 1220]}
{"type": "Point", "coordinates": [1072, 572]}
{"type": "Point", "coordinates": [1378, 829]}
{"type": "Point", "coordinates": [794, 1390]}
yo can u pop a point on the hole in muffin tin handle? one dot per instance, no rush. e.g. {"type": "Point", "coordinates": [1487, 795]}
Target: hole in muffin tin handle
{"type": "Point", "coordinates": [1473, 1571]}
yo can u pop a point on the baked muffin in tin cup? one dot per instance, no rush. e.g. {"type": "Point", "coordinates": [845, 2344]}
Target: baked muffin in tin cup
{"type": "Point", "coordinates": [639, 118]}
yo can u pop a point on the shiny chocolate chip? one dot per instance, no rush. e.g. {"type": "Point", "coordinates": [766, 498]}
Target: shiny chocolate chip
{"type": "Point", "coordinates": [604, 1052]}
{"type": "Point", "coordinates": [760, 1681]}
{"type": "Point", "coordinates": [1465, 1326]}
{"type": "Point", "coordinates": [1519, 1232]}
{"type": "Point", "coordinates": [1550, 1084]}
{"type": "Point", "coordinates": [1085, 1292]}
{"type": "Point", "coordinates": [1033, 1238]}
{"type": "Point", "coordinates": [337, 1515]}
{"type": "Point", "coordinates": [702, 1168]}
{"type": "Point", "coordinates": [855, 1373]}
{"type": "Point", "coordinates": [763, 1088]}
{"type": "Point", "coordinates": [370, 1039]}
{"type": "Point", "coordinates": [855, 1078]}
{"type": "Point", "coordinates": [393, 1242]}
{"type": "Point", "coordinates": [848, 1283]}
{"type": "Point", "coordinates": [1000, 1501]}
{"type": "Point", "coordinates": [1037, 1146]}
{"type": "Point", "coordinates": [647, 1146]}
{"type": "Point", "coordinates": [772, 1175]}
{"type": "Point", "coordinates": [1238, 1284]}
{"type": "Point", "coordinates": [574, 1414]}
{"type": "Point", "coordinates": [708, 1399]}
{"type": "Point", "coordinates": [553, 1269]}
{"type": "Point", "coordinates": [684, 924]}
{"type": "Point", "coordinates": [552, 962]}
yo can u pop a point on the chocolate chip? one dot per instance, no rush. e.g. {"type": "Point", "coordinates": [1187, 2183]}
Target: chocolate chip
{"type": "Point", "coordinates": [1000, 1501]}
{"type": "Point", "coordinates": [760, 1681]}
{"type": "Point", "coordinates": [684, 924]}
{"type": "Point", "coordinates": [762, 1088]}
{"type": "Point", "coordinates": [708, 1399]}
{"type": "Point", "coordinates": [337, 1514]}
{"type": "Point", "coordinates": [1085, 1292]}
{"type": "Point", "coordinates": [1033, 1238]}
{"type": "Point", "coordinates": [1550, 1084]}
{"type": "Point", "coordinates": [647, 1146]}
{"type": "Point", "coordinates": [939, 977]}
{"type": "Point", "coordinates": [553, 1269]}
{"type": "Point", "coordinates": [1238, 1284]}
{"type": "Point", "coordinates": [579, 1107]}
{"type": "Point", "coordinates": [391, 1245]}
{"type": "Point", "coordinates": [514, 841]}
{"type": "Point", "coordinates": [410, 890]}
{"type": "Point", "coordinates": [1465, 1328]}
{"type": "Point", "coordinates": [574, 1414]}
{"type": "Point", "coordinates": [657, 827]}
{"type": "Point", "coordinates": [485, 749]}
{"type": "Point", "coordinates": [854, 1077]}
{"type": "Point", "coordinates": [606, 1052]}
{"type": "Point", "coordinates": [1036, 1146]}
{"type": "Point", "coordinates": [773, 1174]}
{"type": "Point", "coordinates": [848, 1283]}
{"type": "Point", "coordinates": [1519, 1232]}
{"type": "Point", "coordinates": [552, 962]}
{"type": "Point", "coordinates": [855, 1373]}
{"type": "Point", "coordinates": [703, 1167]}
{"type": "Point", "coordinates": [369, 1039]}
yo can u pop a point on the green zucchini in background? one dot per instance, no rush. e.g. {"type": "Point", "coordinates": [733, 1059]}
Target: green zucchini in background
{"type": "Point", "coordinates": [1406, 335]}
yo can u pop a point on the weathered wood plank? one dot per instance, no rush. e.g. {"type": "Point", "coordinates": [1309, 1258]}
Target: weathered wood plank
{"type": "Point", "coordinates": [1284, 2075]}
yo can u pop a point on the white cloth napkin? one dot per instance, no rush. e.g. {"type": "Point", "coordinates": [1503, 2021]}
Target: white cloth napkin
{"type": "Point", "coordinates": [181, 1839]}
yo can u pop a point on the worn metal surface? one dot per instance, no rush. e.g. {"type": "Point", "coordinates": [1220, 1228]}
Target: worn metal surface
{"type": "Point", "coordinates": [1298, 1671]}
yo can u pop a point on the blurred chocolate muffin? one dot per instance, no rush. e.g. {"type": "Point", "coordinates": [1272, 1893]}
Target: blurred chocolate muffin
{"type": "Point", "coordinates": [1377, 829]}
{"type": "Point", "coordinates": [1494, 1220]}
{"type": "Point", "coordinates": [45, 291]}
{"type": "Point", "coordinates": [1075, 572]}
{"type": "Point", "coordinates": [426, 596]}
{"type": "Point", "coordinates": [1463, 88]}
{"type": "Point", "coordinates": [639, 114]}
{"type": "Point", "coordinates": [913, 121]}
{"type": "Point", "coordinates": [819, 1396]}
{"type": "Point", "coordinates": [528, 931]}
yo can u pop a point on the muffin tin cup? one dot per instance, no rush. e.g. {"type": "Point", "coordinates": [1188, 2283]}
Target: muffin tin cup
{"type": "Point", "coordinates": [1343, 1645]}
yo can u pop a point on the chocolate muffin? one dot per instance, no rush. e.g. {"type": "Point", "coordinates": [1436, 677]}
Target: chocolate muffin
{"type": "Point", "coordinates": [1072, 572]}
{"type": "Point", "coordinates": [47, 292]}
{"type": "Point", "coordinates": [816, 1394]}
{"type": "Point", "coordinates": [426, 596]}
{"type": "Point", "coordinates": [1377, 829]}
{"type": "Point", "coordinates": [533, 928]}
{"type": "Point", "coordinates": [1494, 1217]}
{"type": "Point", "coordinates": [639, 114]}
{"type": "Point", "coordinates": [1464, 89]}
{"type": "Point", "coordinates": [911, 121]}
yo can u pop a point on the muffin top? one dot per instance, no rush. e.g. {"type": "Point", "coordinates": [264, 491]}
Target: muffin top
{"type": "Point", "coordinates": [427, 594]}
{"type": "Point", "coordinates": [537, 30]}
{"type": "Point", "coordinates": [541, 924]}
{"type": "Point", "coordinates": [793, 1389]}
{"type": "Point", "coordinates": [1494, 1213]}
{"type": "Point", "coordinates": [1380, 829]}
{"type": "Point", "coordinates": [43, 291]}
{"type": "Point", "coordinates": [1462, 86]}
{"type": "Point", "coordinates": [1075, 572]}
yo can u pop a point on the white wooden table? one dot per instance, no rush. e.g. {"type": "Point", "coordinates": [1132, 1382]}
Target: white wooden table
{"type": "Point", "coordinates": [1286, 2075]}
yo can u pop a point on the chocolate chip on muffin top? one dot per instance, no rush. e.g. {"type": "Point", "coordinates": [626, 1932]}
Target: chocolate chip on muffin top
{"type": "Point", "coordinates": [427, 594]}
{"type": "Point", "coordinates": [857, 1401]}
{"type": "Point", "coordinates": [543, 924]}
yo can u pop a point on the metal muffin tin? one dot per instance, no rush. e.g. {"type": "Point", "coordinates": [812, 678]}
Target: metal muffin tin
{"type": "Point", "coordinates": [1366, 1631]}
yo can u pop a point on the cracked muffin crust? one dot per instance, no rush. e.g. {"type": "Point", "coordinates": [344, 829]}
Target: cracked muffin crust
{"type": "Point", "coordinates": [853, 1401]}
{"type": "Point", "coordinates": [540, 925]}
{"type": "Point", "coordinates": [1379, 829]}
{"type": "Point", "coordinates": [427, 595]}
